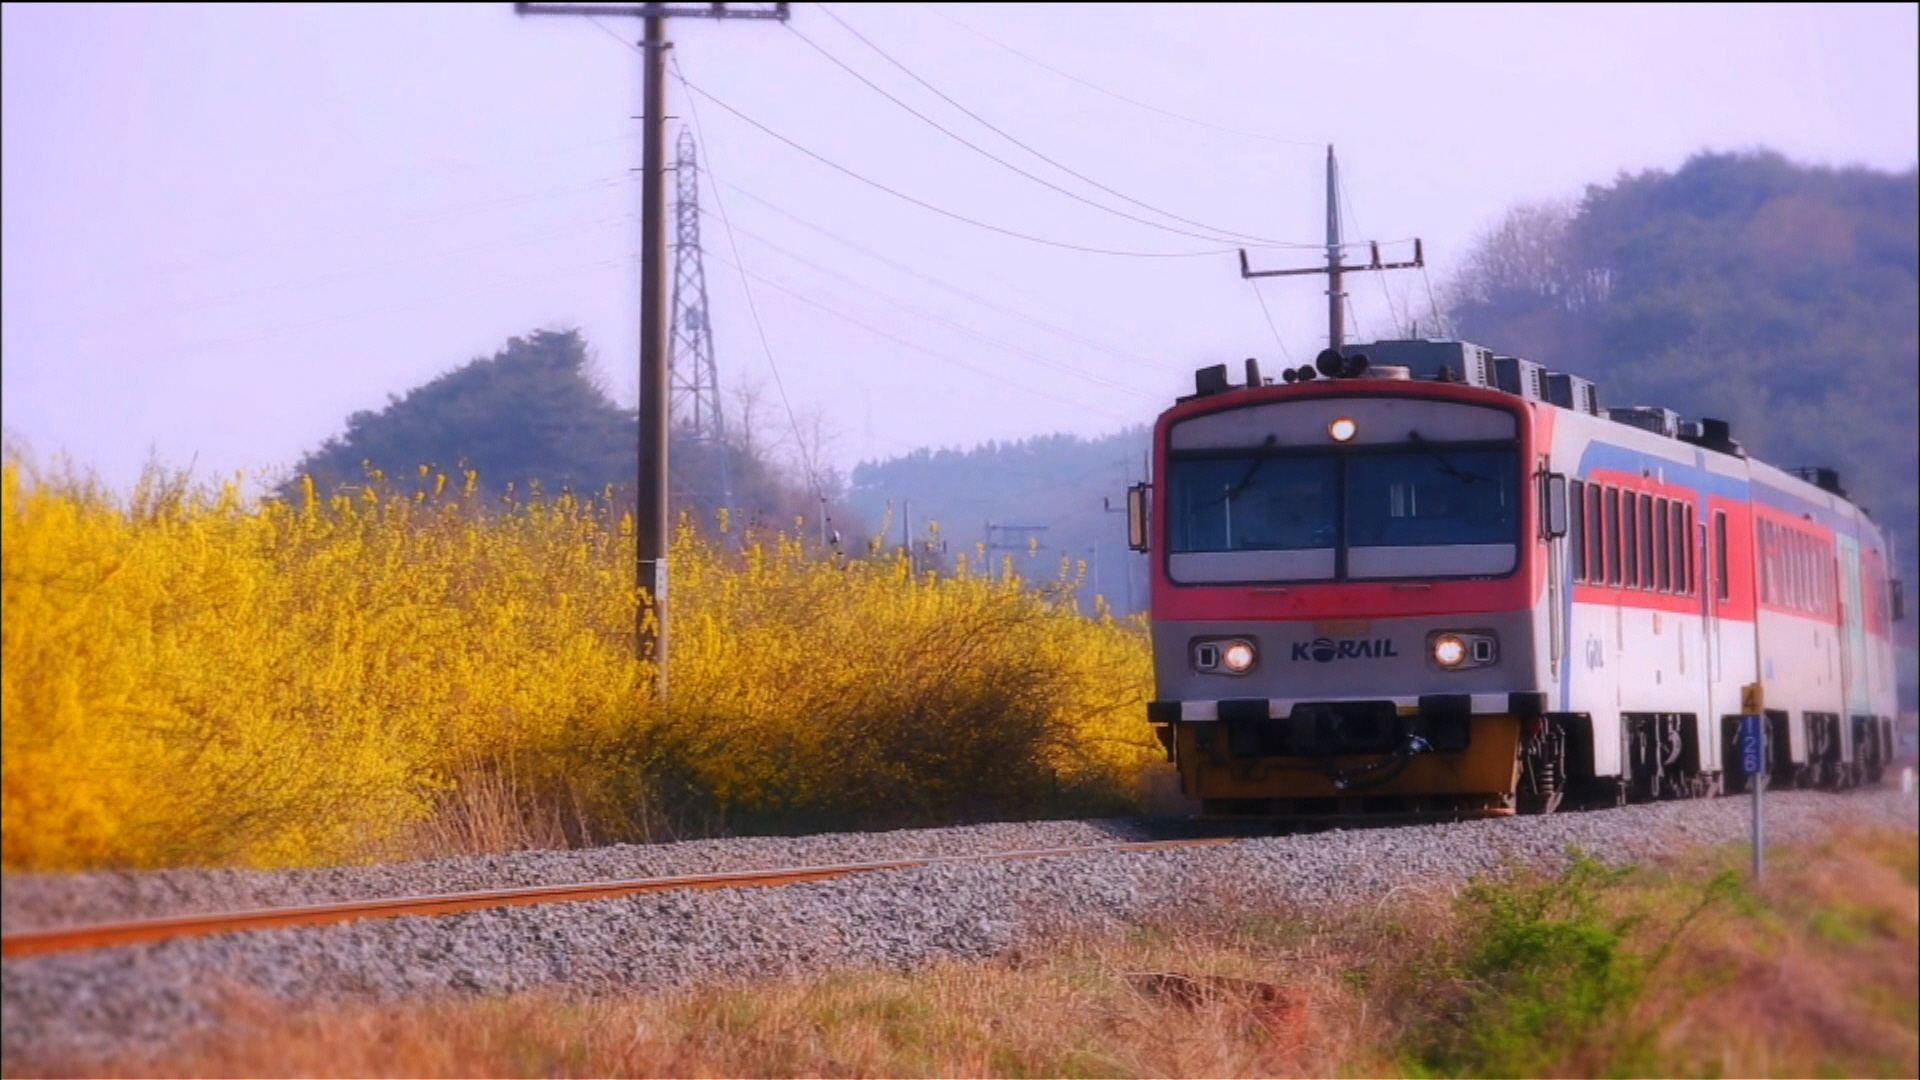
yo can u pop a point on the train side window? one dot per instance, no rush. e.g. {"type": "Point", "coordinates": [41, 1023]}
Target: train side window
{"type": "Point", "coordinates": [1596, 536]}
{"type": "Point", "coordinates": [1828, 570]}
{"type": "Point", "coordinates": [1797, 577]}
{"type": "Point", "coordinates": [1683, 547]}
{"type": "Point", "coordinates": [1765, 532]}
{"type": "Point", "coordinates": [1676, 550]}
{"type": "Point", "coordinates": [1613, 536]}
{"type": "Point", "coordinates": [1797, 574]}
{"type": "Point", "coordinates": [1576, 530]}
{"type": "Point", "coordinates": [1629, 542]}
{"type": "Point", "coordinates": [1646, 542]}
{"type": "Point", "coordinates": [1663, 546]}
{"type": "Point", "coordinates": [1722, 588]}
{"type": "Point", "coordinates": [1783, 577]}
{"type": "Point", "coordinates": [1773, 586]}
{"type": "Point", "coordinates": [1807, 574]}
{"type": "Point", "coordinates": [1805, 569]}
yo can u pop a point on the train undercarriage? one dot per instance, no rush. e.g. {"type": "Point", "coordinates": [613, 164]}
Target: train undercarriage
{"type": "Point", "coordinates": [1497, 765]}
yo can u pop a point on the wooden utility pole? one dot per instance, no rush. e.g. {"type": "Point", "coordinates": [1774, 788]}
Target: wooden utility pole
{"type": "Point", "coordinates": [1336, 298]}
{"type": "Point", "coordinates": [650, 493]}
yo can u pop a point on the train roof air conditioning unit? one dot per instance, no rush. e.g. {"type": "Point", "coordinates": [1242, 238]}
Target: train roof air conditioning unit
{"type": "Point", "coordinates": [1425, 359]}
{"type": "Point", "coordinates": [1521, 377]}
{"type": "Point", "coordinates": [1573, 392]}
{"type": "Point", "coordinates": [1649, 418]}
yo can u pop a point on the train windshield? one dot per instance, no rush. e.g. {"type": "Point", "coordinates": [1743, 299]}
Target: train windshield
{"type": "Point", "coordinates": [1416, 511]}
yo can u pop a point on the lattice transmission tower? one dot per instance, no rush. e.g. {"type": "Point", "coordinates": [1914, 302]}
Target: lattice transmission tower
{"type": "Point", "coordinates": [694, 379]}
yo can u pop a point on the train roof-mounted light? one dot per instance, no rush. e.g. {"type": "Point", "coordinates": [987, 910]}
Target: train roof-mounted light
{"type": "Point", "coordinates": [1342, 429]}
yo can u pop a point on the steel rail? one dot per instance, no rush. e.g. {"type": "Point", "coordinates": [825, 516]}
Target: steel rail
{"type": "Point", "coordinates": [93, 935]}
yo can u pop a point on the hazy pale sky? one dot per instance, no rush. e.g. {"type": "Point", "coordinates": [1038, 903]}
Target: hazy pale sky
{"type": "Point", "coordinates": [227, 227]}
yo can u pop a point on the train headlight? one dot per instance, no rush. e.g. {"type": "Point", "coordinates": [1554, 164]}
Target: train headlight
{"type": "Point", "coordinates": [1238, 657]}
{"type": "Point", "coordinates": [1225, 656]}
{"type": "Point", "coordinates": [1342, 428]}
{"type": "Point", "coordinates": [1453, 650]}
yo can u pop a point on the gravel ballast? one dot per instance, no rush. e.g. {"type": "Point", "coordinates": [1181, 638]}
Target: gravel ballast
{"type": "Point", "coordinates": [99, 1001]}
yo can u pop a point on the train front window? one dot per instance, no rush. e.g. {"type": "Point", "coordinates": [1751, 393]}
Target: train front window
{"type": "Point", "coordinates": [1431, 510]}
{"type": "Point", "coordinates": [1278, 516]}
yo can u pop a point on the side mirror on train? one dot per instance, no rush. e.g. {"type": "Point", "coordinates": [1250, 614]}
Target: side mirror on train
{"type": "Point", "coordinates": [1137, 517]}
{"type": "Point", "coordinates": [1553, 504]}
{"type": "Point", "coordinates": [1899, 598]}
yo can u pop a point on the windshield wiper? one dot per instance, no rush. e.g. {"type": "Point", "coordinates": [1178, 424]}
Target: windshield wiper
{"type": "Point", "coordinates": [1452, 470]}
{"type": "Point", "coordinates": [1260, 458]}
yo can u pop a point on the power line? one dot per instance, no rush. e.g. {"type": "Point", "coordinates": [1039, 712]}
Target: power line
{"type": "Point", "coordinates": [923, 204]}
{"type": "Point", "coordinates": [1270, 323]}
{"type": "Point", "coordinates": [1439, 317]}
{"type": "Point", "coordinates": [753, 308]}
{"type": "Point", "coordinates": [976, 117]}
{"type": "Point", "coordinates": [1316, 144]}
{"type": "Point", "coordinates": [995, 158]}
{"type": "Point", "coordinates": [948, 286]}
{"type": "Point", "coordinates": [684, 81]}
{"type": "Point", "coordinates": [1346, 205]}
{"type": "Point", "coordinates": [962, 327]}
{"type": "Point", "coordinates": [934, 316]}
{"type": "Point", "coordinates": [898, 340]}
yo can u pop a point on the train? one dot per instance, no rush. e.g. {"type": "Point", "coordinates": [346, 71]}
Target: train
{"type": "Point", "coordinates": [1422, 579]}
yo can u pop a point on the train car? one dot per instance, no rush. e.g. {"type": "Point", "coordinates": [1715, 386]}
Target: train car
{"type": "Point", "coordinates": [1422, 579]}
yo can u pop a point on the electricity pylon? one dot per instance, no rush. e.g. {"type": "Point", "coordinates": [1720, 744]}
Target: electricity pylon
{"type": "Point", "coordinates": [695, 379]}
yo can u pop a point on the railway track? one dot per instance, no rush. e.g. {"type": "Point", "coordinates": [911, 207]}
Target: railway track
{"type": "Point", "coordinates": [138, 931]}
{"type": "Point", "coordinates": [969, 893]}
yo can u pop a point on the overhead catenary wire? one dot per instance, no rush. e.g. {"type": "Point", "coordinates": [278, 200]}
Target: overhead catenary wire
{"type": "Point", "coordinates": [942, 211]}
{"type": "Point", "coordinates": [949, 286]}
{"type": "Point", "coordinates": [917, 347]}
{"type": "Point", "coordinates": [1314, 143]}
{"type": "Point", "coordinates": [753, 308]}
{"type": "Point", "coordinates": [1433, 304]}
{"type": "Point", "coordinates": [1037, 358]}
{"type": "Point", "coordinates": [1214, 232]}
{"type": "Point", "coordinates": [1346, 210]}
{"type": "Point", "coordinates": [1271, 325]}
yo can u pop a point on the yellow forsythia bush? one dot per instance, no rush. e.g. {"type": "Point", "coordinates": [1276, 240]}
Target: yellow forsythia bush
{"type": "Point", "coordinates": [189, 679]}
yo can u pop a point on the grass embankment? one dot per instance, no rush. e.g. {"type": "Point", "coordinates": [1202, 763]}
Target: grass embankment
{"type": "Point", "coordinates": [1673, 970]}
{"type": "Point", "coordinates": [190, 680]}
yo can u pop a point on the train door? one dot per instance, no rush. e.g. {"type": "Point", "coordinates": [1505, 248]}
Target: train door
{"type": "Point", "coordinates": [1853, 632]}
{"type": "Point", "coordinates": [1712, 551]}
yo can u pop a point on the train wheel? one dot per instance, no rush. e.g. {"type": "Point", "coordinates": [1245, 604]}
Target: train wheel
{"type": "Point", "coordinates": [1543, 803]}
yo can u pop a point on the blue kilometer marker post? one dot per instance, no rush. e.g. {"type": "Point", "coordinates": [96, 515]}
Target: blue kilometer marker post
{"type": "Point", "coordinates": [1753, 759]}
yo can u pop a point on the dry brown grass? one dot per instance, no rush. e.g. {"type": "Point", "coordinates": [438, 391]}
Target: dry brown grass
{"type": "Point", "coordinates": [1824, 981]}
{"type": "Point", "coordinates": [1817, 978]}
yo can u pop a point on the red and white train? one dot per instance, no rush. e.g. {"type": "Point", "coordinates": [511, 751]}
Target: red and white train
{"type": "Point", "coordinates": [1421, 578]}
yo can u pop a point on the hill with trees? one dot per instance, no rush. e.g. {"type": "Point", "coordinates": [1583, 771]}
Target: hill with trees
{"type": "Point", "coordinates": [534, 417]}
{"type": "Point", "coordinates": [1784, 298]}
{"type": "Point", "coordinates": [1035, 501]}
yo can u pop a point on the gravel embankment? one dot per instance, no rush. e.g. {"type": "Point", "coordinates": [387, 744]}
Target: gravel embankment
{"type": "Point", "coordinates": [95, 1000]}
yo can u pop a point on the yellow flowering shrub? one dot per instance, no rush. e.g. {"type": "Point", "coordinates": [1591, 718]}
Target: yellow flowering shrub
{"type": "Point", "coordinates": [188, 679]}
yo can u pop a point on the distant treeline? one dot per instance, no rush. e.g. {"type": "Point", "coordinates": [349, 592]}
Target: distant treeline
{"type": "Point", "coordinates": [1784, 298]}
{"type": "Point", "coordinates": [1034, 504]}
